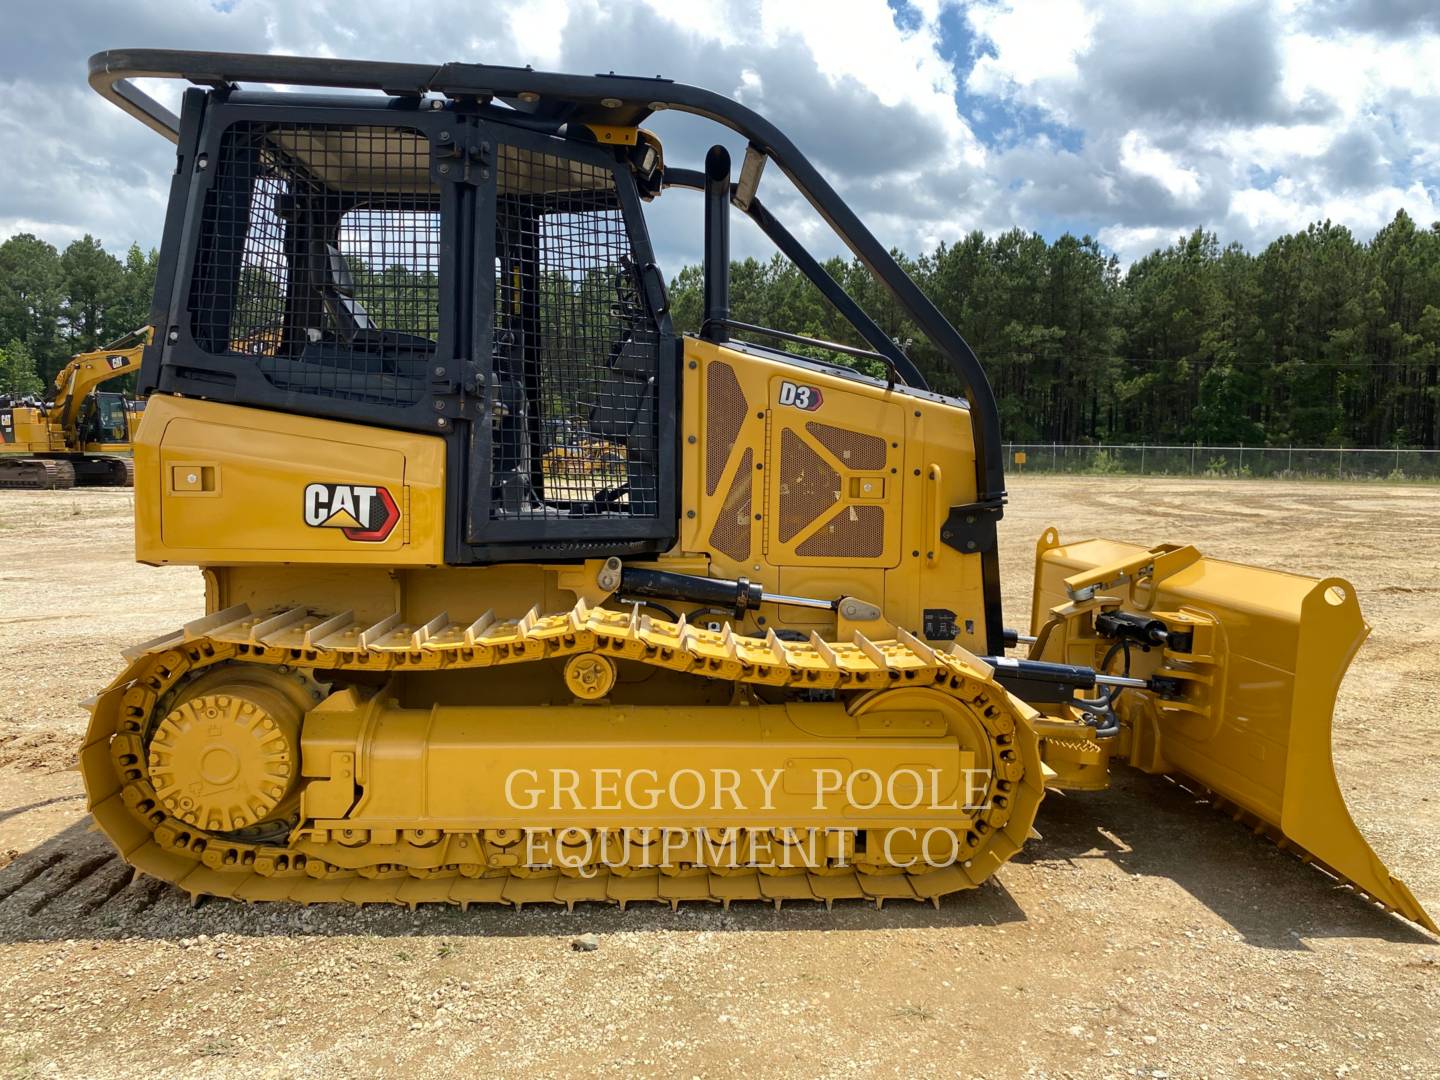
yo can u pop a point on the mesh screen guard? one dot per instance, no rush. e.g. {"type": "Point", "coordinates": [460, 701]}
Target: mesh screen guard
{"type": "Point", "coordinates": [576, 350]}
{"type": "Point", "coordinates": [319, 257]}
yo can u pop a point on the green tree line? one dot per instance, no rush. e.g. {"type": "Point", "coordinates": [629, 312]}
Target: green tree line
{"type": "Point", "coordinates": [55, 303]}
{"type": "Point", "coordinates": [1317, 340]}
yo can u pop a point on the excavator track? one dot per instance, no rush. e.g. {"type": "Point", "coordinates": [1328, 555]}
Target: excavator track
{"type": "Point", "coordinates": [106, 472]}
{"type": "Point", "coordinates": [300, 642]}
{"type": "Point", "coordinates": [36, 474]}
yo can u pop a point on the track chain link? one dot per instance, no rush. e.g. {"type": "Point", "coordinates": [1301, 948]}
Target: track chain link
{"type": "Point", "coordinates": [113, 759]}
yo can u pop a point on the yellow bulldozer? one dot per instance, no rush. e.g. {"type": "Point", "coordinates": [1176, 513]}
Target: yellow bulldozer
{"type": "Point", "coordinates": [79, 436]}
{"type": "Point", "coordinates": [514, 594]}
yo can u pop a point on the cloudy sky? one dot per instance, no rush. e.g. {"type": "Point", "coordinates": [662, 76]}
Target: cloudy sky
{"type": "Point", "coordinates": [1130, 121]}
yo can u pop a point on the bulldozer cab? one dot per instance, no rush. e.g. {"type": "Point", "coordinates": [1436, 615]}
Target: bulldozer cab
{"type": "Point", "coordinates": [470, 259]}
{"type": "Point", "coordinates": [444, 272]}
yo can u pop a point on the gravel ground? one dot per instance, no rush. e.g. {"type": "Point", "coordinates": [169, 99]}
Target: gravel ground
{"type": "Point", "coordinates": [1143, 936]}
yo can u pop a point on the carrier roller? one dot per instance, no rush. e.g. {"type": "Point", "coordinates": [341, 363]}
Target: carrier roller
{"type": "Point", "coordinates": [275, 755]}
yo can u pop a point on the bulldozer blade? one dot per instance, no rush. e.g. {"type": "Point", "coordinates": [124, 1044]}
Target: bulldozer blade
{"type": "Point", "coordinates": [1253, 725]}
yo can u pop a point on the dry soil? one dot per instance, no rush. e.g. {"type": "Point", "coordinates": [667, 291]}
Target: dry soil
{"type": "Point", "coordinates": [1144, 936]}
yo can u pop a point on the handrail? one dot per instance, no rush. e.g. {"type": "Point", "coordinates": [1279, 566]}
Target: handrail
{"type": "Point", "coordinates": [819, 343]}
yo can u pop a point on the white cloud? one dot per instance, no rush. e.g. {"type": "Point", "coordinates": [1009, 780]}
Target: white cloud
{"type": "Point", "coordinates": [537, 28]}
{"type": "Point", "coordinates": [1250, 117]}
{"type": "Point", "coordinates": [1138, 155]}
{"type": "Point", "coordinates": [1036, 43]}
{"type": "Point", "coordinates": [1354, 71]}
{"type": "Point", "coordinates": [859, 40]}
{"type": "Point", "coordinates": [1288, 206]}
{"type": "Point", "coordinates": [1130, 243]}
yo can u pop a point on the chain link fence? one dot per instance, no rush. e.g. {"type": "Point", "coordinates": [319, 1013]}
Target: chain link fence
{"type": "Point", "coordinates": [1278, 462]}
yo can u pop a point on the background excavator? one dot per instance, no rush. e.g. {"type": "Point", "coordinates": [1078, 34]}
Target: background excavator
{"type": "Point", "coordinates": [516, 595]}
{"type": "Point", "coordinates": [82, 435]}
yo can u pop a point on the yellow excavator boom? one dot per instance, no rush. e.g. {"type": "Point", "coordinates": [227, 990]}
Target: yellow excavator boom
{"type": "Point", "coordinates": [86, 372]}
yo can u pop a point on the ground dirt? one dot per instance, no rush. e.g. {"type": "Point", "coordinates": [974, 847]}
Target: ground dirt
{"type": "Point", "coordinates": [1143, 936]}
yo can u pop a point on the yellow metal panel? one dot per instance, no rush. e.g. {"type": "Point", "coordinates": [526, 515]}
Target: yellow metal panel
{"type": "Point", "coordinates": [256, 466]}
{"type": "Point", "coordinates": [1253, 724]}
{"type": "Point", "coordinates": [891, 459]}
{"type": "Point", "coordinates": [615, 135]}
{"type": "Point", "coordinates": [822, 437]}
{"type": "Point", "coordinates": [471, 767]}
{"type": "Point", "coordinates": [28, 432]}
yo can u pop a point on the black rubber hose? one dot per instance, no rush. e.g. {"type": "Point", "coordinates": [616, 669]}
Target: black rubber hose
{"type": "Point", "coordinates": [1105, 703]}
{"type": "Point", "coordinates": [669, 615]}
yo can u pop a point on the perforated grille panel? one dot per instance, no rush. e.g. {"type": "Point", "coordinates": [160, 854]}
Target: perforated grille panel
{"type": "Point", "coordinates": [320, 257]}
{"type": "Point", "coordinates": [808, 486]}
{"type": "Point", "coordinates": [725, 408]}
{"type": "Point", "coordinates": [856, 532]}
{"type": "Point", "coordinates": [855, 449]}
{"type": "Point", "coordinates": [576, 350]}
{"type": "Point", "coordinates": [731, 534]}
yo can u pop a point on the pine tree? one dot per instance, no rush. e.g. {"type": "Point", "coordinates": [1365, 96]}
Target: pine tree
{"type": "Point", "coordinates": [17, 370]}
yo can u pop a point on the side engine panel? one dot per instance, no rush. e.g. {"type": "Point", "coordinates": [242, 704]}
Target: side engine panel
{"type": "Point", "coordinates": [822, 485]}
{"type": "Point", "coordinates": [223, 484]}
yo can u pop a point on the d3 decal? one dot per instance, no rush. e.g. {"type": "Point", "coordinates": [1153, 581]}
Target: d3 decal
{"type": "Point", "coordinates": [801, 397]}
{"type": "Point", "coordinates": [360, 512]}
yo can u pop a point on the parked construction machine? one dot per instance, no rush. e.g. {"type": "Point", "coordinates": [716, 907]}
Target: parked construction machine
{"type": "Point", "coordinates": [81, 436]}
{"type": "Point", "coordinates": [514, 594]}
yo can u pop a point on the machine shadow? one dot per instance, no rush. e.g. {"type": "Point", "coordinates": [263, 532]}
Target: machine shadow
{"type": "Point", "coordinates": [1148, 826]}
{"type": "Point", "coordinates": [75, 887]}
{"type": "Point", "coordinates": [16, 811]}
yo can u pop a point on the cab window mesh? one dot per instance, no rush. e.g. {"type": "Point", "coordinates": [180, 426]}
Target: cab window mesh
{"type": "Point", "coordinates": [319, 257]}
{"type": "Point", "coordinates": [575, 347]}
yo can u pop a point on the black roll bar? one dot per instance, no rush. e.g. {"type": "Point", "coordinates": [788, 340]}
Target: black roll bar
{"type": "Point", "coordinates": [717, 244]}
{"type": "Point", "coordinates": [784, 241]}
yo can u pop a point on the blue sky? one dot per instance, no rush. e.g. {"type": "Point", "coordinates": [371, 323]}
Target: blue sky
{"type": "Point", "coordinates": [1130, 120]}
